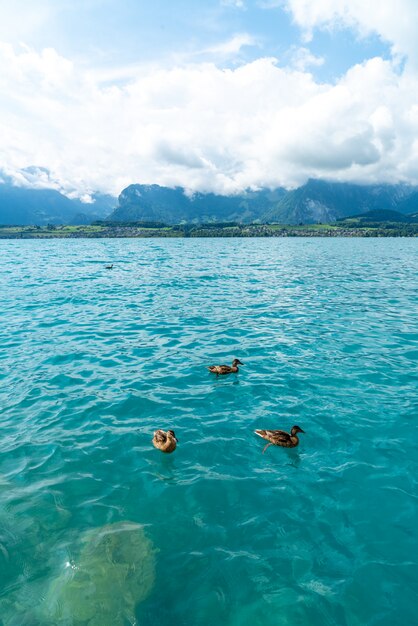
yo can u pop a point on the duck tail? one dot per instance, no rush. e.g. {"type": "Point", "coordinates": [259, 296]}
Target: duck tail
{"type": "Point", "coordinates": [261, 433]}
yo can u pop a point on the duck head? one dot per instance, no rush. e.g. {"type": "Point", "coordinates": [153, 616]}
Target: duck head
{"type": "Point", "coordinates": [295, 430]}
{"type": "Point", "coordinates": [236, 362]}
{"type": "Point", "coordinates": [173, 434]}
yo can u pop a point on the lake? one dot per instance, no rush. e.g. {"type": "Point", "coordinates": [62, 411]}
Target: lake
{"type": "Point", "coordinates": [92, 361]}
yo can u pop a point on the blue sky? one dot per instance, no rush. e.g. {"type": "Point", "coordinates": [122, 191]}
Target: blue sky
{"type": "Point", "coordinates": [109, 33]}
{"type": "Point", "coordinates": [99, 93]}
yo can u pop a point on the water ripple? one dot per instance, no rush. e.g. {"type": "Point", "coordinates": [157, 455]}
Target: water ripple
{"type": "Point", "coordinates": [93, 361]}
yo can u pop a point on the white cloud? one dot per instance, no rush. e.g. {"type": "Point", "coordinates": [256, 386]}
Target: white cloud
{"type": "Point", "coordinates": [201, 126]}
{"type": "Point", "coordinates": [239, 4]}
{"type": "Point", "coordinates": [231, 47]}
{"type": "Point", "coordinates": [395, 21]}
{"type": "Point", "coordinates": [302, 59]}
{"type": "Point", "coordinates": [270, 4]}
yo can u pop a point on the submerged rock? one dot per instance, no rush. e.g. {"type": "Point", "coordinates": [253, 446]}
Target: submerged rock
{"type": "Point", "coordinates": [113, 574]}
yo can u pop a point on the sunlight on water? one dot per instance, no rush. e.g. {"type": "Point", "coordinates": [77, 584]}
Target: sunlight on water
{"type": "Point", "coordinates": [93, 361]}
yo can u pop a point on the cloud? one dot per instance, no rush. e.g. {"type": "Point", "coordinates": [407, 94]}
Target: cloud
{"type": "Point", "coordinates": [232, 46]}
{"type": "Point", "coordinates": [395, 21]}
{"type": "Point", "coordinates": [270, 4]}
{"type": "Point", "coordinates": [302, 59]}
{"type": "Point", "coordinates": [239, 4]}
{"type": "Point", "coordinates": [201, 126]}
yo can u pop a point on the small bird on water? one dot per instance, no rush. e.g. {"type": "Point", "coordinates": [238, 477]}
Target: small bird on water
{"type": "Point", "coordinates": [165, 441]}
{"type": "Point", "coordinates": [280, 437]}
{"type": "Point", "coordinates": [221, 370]}
{"type": "Point", "coordinates": [109, 267]}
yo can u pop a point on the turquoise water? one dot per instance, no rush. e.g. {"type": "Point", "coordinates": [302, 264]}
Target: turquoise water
{"type": "Point", "coordinates": [92, 361]}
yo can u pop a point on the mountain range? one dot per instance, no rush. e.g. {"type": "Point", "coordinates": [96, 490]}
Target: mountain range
{"type": "Point", "coordinates": [23, 206]}
{"type": "Point", "coordinates": [316, 201]}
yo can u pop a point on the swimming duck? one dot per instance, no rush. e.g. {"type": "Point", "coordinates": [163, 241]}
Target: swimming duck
{"type": "Point", "coordinates": [109, 267]}
{"type": "Point", "coordinates": [165, 441]}
{"type": "Point", "coordinates": [280, 437]}
{"type": "Point", "coordinates": [220, 370]}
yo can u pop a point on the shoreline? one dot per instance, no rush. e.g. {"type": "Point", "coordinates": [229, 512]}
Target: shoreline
{"type": "Point", "coordinates": [101, 231]}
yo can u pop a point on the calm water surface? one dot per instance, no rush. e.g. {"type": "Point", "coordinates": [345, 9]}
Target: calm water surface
{"type": "Point", "coordinates": [92, 361]}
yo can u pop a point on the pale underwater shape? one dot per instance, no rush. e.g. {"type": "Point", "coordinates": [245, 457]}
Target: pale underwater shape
{"type": "Point", "coordinates": [115, 571]}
